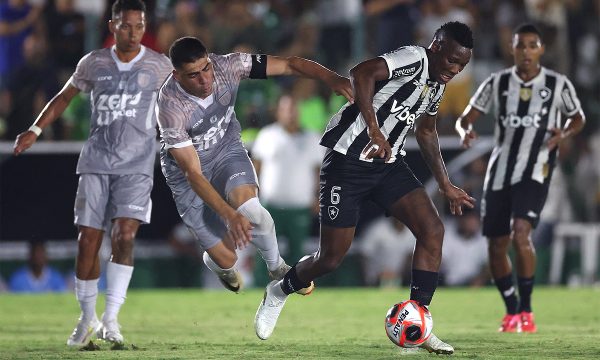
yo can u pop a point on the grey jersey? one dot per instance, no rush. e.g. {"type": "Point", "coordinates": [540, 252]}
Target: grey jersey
{"type": "Point", "coordinates": [208, 124]}
{"type": "Point", "coordinates": [123, 125]}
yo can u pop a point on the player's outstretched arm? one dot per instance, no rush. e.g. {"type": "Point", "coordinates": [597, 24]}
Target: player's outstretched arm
{"type": "Point", "coordinates": [464, 126]}
{"type": "Point", "coordinates": [53, 109]}
{"type": "Point", "coordinates": [239, 228]}
{"type": "Point", "coordinates": [429, 144]}
{"type": "Point", "coordinates": [298, 66]}
{"type": "Point", "coordinates": [572, 127]}
{"type": "Point", "coordinates": [363, 77]}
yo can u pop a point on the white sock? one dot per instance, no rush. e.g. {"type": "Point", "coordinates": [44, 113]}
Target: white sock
{"type": "Point", "coordinates": [263, 234]}
{"type": "Point", "coordinates": [278, 291]}
{"type": "Point", "coordinates": [86, 292]}
{"type": "Point", "coordinates": [214, 267]}
{"type": "Point", "coordinates": [117, 282]}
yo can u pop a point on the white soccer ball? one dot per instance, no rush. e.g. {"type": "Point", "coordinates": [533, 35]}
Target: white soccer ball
{"type": "Point", "coordinates": [407, 324]}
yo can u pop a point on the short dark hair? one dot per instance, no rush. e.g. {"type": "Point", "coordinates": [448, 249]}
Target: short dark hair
{"type": "Point", "coordinates": [123, 5]}
{"type": "Point", "coordinates": [459, 32]}
{"type": "Point", "coordinates": [528, 28]}
{"type": "Point", "coordinates": [186, 50]}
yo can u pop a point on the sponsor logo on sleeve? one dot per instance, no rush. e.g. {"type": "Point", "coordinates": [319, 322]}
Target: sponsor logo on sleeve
{"type": "Point", "coordinates": [485, 96]}
{"type": "Point", "coordinates": [404, 71]}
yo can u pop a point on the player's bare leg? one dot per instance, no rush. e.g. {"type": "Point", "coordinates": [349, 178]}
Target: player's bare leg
{"type": "Point", "coordinates": [501, 269]}
{"type": "Point", "coordinates": [221, 259]}
{"type": "Point", "coordinates": [118, 275]}
{"type": "Point", "coordinates": [87, 273]}
{"type": "Point", "coordinates": [418, 213]}
{"type": "Point", "coordinates": [333, 246]}
{"type": "Point", "coordinates": [526, 261]}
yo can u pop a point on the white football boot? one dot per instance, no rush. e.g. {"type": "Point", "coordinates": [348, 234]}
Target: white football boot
{"type": "Point", "coordinates": [83, 332]}
{"type": "Point", "coordinates": [110, 330]}
{"type": "Point", "coordinates": [280, 272]}
{"type": "Point", "coordinates": [268, 312]}
{"type": "Point", "coordinates": [435, 345]}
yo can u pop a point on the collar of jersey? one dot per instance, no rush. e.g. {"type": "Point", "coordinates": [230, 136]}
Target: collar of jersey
{"type": "Point", "coordinates": [206, 102]}
{"type": "Point", "coordinates": [126, 66]}
{"type": "Point", "coordinates": [536, 78]}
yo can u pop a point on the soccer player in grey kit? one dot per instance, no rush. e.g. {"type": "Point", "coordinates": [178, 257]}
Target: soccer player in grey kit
{"type": "Point", "coordinates": [206, 166]}
{"type": "Point", "coordinates": [116, 163]}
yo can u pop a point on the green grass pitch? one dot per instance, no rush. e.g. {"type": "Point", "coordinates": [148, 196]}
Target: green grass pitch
{"type": "Point", "coordinates": [341, 323]}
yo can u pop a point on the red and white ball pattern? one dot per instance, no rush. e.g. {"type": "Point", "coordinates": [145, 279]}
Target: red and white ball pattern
{"type": "Point", "coordinates": [407, 324]}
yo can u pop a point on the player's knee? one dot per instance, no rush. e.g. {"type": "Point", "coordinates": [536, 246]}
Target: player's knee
{"type": "Point", "coordinates": [521, 232]}
{"type": "Point", "coordinates": [258, 216]}
{"type": "Point", "coordinates": [88, 244]}
{"type": "Point", "coordinates": [432, 234]}
{"type": "Point", "coordinates": [123, 240]}
{"type": "Point", "coordinates": [497, 248]}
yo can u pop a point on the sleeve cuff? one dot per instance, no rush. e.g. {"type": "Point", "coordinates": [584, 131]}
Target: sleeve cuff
{"type": "Point", "coordinates": [389, 65]}
{"type": "Point", "coordinates": [475, 106]}
{"type": "Point", "coordinates": [178, 145]}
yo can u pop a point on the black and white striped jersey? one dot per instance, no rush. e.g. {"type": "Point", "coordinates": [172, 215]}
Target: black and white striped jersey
{"type": "Point", "coordinates": [524, 111]}
{"type": "Point", "coordinates": [398, 102]}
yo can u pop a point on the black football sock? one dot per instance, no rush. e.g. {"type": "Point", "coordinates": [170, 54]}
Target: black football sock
{"type": "Point", "coordinates": [423, 285]}
{"type": "Point", "coordinates": [291, 283]}
{"type": "Point", "coordinates": [525, 290]}
{"type": "Point", "coordinates": [507, 291]}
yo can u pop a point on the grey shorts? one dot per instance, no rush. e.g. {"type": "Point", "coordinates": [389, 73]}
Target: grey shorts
{"type": "Point", "coordinates": [103, 197]}
{"type": "Point", "coordinates": [231, 169]}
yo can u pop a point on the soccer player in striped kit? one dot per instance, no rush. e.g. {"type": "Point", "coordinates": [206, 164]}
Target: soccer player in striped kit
{"type": "Point", "coordinates": [116, 164]}
{"type": "Point", "coordinates": [365, 161]}
{"type": "Point", "coordinates": [529, 103]}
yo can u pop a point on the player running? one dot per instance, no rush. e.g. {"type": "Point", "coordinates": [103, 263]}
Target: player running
{"type": "Point", "coordinates": [365, 161]}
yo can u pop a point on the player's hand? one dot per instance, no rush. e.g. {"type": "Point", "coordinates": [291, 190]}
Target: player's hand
{"type": "Point", "coordinates": [556, 136]}
{"type": "Point", "coordinates": [239, 230]}
{"type": "Point", "coordinates": [24, 141]}
{"type": "Point", "coordinates": [468, 137]}
{"type": "Point", "coordinates": [342, 86]}
{"type": "Point", "coordinates": [457, 198]}
{"type": "Point", "coordinates": [378, 147]}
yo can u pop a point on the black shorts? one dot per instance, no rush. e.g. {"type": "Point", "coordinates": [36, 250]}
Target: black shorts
{"type": "Point", "coordinates": [523, 200]}
{"type": "Point", "coordinates": [346, 183]}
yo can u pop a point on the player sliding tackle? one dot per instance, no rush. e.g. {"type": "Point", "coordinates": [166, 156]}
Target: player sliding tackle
{"type": "Point", "coordinates": [364, 161]}
{"type": "Point", "coordinates": [204, 161]}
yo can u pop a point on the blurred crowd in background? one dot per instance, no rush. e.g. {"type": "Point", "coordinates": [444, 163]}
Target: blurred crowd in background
{"type": "Point", "coordinates": [41, 42]}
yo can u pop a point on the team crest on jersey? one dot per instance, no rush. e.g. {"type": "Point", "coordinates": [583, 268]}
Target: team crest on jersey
{"type": "Point", "coordinates": [224, 98]}
{"type": "Point", "coordinates": [144, 79]}
{"type": "Point", "coordinates": [333, 212]}
{"type": "Point", "coordinates": [525, 94]}
{"type": "Point", "coordinates": [545, 93]}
